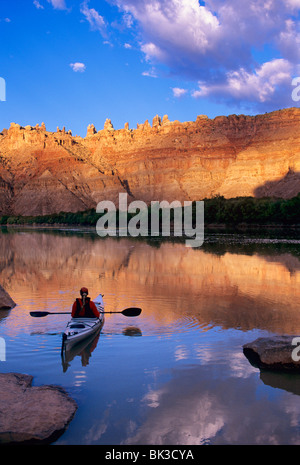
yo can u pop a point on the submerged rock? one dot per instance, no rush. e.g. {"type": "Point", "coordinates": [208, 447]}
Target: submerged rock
{"type": "Point", "coordinates": [32, 414]}
{"type": "Point", "coordinates": [6, 302]}
{"type": "Point", "coordinates": [275, 353]}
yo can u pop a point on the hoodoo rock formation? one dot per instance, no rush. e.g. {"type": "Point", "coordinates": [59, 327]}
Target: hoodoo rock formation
{"type": "Point", "coordinates": [44, 172]}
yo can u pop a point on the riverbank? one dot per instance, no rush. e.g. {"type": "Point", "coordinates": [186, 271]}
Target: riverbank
{"type": "Point", "coordinates": [219, 213]}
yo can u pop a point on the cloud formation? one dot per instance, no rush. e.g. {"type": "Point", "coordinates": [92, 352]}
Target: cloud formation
{"type": "Point", "coordinates": [259, 86]}
{"type": "Point", "coordinates": [150, 73]}
{"type": "Point", "coordinates": [38, 5]}
{"type": "Point", "coordinates": [78, 67]}
{"type": "Point", "coordinates": [95, 20]}
{"type": "Point", "coordinates": [178, 91]}
{"type": "Point", "coordinates": [58, 4]}
{"type": "Point", "coordinates": [238, 50]}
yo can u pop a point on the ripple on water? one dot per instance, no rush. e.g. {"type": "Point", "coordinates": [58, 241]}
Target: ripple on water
{"type": "Point", "coordinates": [184, 324]}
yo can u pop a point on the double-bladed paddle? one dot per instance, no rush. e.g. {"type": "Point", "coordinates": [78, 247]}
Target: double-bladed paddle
{"type": "Point", "coordinates": [131, 311]}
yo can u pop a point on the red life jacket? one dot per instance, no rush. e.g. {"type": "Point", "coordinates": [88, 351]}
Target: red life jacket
{"type": "Point", "coordinates": [88, 312]}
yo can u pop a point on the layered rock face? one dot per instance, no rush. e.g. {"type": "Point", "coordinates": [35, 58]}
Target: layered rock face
{"type": "Point", "coordinates": [44, 172]}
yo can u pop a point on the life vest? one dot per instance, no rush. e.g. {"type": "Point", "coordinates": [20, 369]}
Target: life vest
{"type": "Point", "coordinates": [88, 312]}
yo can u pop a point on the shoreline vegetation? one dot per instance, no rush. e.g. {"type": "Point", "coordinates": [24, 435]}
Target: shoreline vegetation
{"type": "Point", "coordinates": [239, 212]}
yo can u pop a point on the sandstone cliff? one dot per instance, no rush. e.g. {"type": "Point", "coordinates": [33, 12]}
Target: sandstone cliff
{"type": "Point", "coordinates": [44, 172]}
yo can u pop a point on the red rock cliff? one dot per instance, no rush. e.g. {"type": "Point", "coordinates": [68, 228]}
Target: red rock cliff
{"type": "Point", "coordinates": [44, 172]}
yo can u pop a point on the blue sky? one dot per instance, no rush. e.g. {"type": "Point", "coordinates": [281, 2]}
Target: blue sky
{"type": "Point", "coordinates": [76, 62]}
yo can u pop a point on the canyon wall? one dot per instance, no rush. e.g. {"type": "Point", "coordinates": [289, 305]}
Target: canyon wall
{"type": "Point", "coordinates": [44, 172]}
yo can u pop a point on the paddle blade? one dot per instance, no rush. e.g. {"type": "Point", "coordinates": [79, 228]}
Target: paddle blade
{"type": "Point", "coordinates": [39, 314]}
{"type": "Point", "coordinates": [132, 311]}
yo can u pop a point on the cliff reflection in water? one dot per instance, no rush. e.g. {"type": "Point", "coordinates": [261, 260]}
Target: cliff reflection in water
{"type": "Point", "coordinates": [176, 286]}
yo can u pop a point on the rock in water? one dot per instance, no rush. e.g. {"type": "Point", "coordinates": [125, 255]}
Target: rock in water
{"type": "Point", "coordinates": [274, 353]}
{"type": "Point", "coordinates": [32, 414]}
{"type": "Point", "coordinates": [6, 302]}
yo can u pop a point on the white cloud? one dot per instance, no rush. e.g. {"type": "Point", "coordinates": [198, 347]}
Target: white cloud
{"type": "Point", "coordinates": [232, 48]}
{"type": "Point", "coordinates": [150, 73]}
{"type": "Point", "coordinates": [259, 86]}
{"type": "Point", "coordinates": [96, 21]}
{"type": "Point", "coordinates": [38, 5]}
{"type": "Point", "coordinates": [293, 3]}
{"type": "Point", "coordinates": [152, 51]}
{"type": "Point", "coordinates": [172, 29]}
{"type": "Point", "coordinates": [78, 67]}
{"type": "Point", "coordinates": [127, 20]}
{"type": "Point", "coordinates": [288, 41]}
{"type": "Point", "coordinates": [58, 4]}
{"type": "Point", "coordinates": [178, 92]}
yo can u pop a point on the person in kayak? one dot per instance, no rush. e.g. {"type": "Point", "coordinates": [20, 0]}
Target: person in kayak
{"type": "Point", "coordinates": [84, 307]}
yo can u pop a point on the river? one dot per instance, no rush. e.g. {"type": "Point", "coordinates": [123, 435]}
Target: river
{"type": "Point", "coordinates": [177, 373]}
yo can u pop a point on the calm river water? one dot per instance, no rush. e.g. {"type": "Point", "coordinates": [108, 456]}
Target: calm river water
{"type": "Point", "coordinates": [176, 374]}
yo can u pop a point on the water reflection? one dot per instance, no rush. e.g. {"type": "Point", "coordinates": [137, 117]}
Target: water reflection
{"type": "Point", "coordinates": [286, 381]}
{"type": "Point", "coordinates": [3, 315]}
{"type": "Point", "coordinates": [83, 349]}
{"type": "Point", "coordinates": [186, 380]}
{"type": "Point", "coordinates": [196, 408]}
{"type": "Point", "coordinates": [132, 331]}
{"type": "Point", "coordinates": [178, 288]}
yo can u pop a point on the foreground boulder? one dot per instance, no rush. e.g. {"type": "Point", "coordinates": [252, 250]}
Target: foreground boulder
{"type": "Point", "coordinates": [6, 302]}
{"type": "Point", "coordinates": [32, 414]}
{"type": "Point", "coordinates": [275, 353]}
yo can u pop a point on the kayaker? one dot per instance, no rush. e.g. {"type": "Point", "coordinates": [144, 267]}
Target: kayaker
{"type": "Point", "coordinates": [84, 307]}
